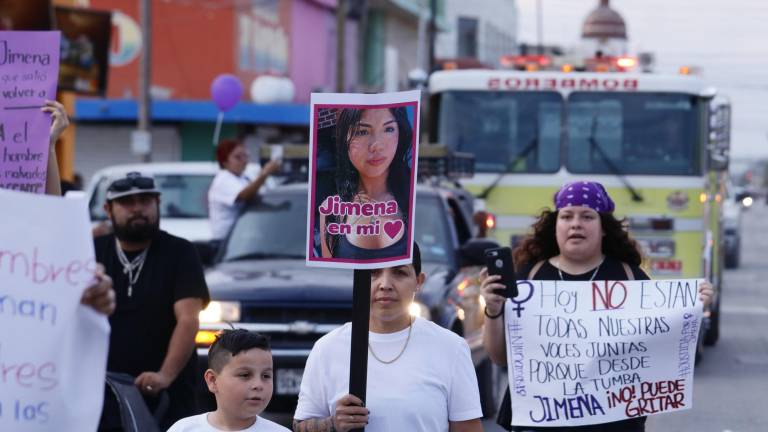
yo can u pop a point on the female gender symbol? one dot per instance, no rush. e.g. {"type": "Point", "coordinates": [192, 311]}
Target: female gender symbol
{"type": "Point", "coordinates": [519, 308]}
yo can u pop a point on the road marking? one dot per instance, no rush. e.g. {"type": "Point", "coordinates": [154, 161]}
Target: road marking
{"type": "Point", "coordinates": [745, 310]}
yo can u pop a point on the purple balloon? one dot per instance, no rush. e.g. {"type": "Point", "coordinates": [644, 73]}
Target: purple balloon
{"type": "Point", "coordinates": [226, 91]}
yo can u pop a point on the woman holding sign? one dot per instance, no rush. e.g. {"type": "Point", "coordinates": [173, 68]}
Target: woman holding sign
{"type": "Point", "coordinates": [420, 375]}
{"type": "Point", "coordinates": [369, 213]}
{"type": "Point", "coordinates": [580, 241]}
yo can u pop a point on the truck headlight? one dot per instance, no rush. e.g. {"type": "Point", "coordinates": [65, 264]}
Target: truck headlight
{"type": "Point", "coordinates": [419, 310]}
{"type": "Point", "coordinates": [220, 311]}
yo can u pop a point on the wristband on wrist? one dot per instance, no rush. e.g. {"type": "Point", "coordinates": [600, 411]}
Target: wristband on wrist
{"type": "Point", "coordinates": [485, 312]}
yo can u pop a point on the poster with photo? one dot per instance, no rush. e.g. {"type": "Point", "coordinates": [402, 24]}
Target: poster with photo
{"type": "Point", "coordinates": [363, 164]}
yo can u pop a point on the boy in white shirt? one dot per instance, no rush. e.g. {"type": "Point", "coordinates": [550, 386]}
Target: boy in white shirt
{"type": "Point", "coordinates": [240, 377]}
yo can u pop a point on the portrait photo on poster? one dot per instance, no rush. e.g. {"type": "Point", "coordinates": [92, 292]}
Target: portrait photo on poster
{"type": "Point", "coordinates": [361, 195]}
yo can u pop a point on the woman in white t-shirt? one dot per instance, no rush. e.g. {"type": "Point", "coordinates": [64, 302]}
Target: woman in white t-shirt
{"type": "Point", "coordinates": [230, 188]}
{"type": "Point", "coordinates": [420, 375]}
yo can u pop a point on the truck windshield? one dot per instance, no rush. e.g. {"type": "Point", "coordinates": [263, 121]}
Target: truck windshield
{"type": "Point", "coordinates": [507, 132]}
{"type": "Point", "coordinates": [267, 229]}
{"type": "Point", "coordinates": [643, 133]}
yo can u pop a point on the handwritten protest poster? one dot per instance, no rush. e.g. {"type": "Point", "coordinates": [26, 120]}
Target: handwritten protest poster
{"type": "Point", "coordinates": [29, 70]}
{"type": "Point", "coordinates": [361, 181]}
{"type": "Point", "coordinates": [583, 353]}
{"type": "Point", "coordinates": [53, 351]}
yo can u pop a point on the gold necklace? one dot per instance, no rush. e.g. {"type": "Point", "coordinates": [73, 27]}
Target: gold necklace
{"type": "Point", "coordinates": [560, 272]}
{"type": "Point", "coordinates": [370, 348]}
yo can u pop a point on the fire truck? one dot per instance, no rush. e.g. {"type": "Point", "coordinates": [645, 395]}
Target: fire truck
{"type": "Point", "coordinates": [659, 143]}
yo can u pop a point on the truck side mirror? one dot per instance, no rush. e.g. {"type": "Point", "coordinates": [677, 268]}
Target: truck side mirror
{"type": "Point", "coordinates": [719, 139]}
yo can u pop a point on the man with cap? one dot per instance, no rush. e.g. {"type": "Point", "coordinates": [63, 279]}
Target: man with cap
{"type": "Point", "coordinates": [160, 290]}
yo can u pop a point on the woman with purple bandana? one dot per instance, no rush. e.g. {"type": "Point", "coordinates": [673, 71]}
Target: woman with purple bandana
{"type": "Point", "coordinates": [580, 241]}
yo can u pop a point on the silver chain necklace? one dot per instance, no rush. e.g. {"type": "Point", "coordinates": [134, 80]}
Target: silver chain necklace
{"type": "Point", "coordinates": [370, 348]}
{"type": "Point", "coordinates": [137, 264]}
{"type": "Point", "coordinates": [594, 273]}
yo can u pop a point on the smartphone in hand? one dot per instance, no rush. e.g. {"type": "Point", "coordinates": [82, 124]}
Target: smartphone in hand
{"type": "Point", "coordinates": [275, 152]}
{"type": "Point", "coordinates": [499, 262]}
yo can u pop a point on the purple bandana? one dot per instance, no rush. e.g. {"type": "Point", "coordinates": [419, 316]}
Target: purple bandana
{"type": "Point", "coordinates": [584, 194]}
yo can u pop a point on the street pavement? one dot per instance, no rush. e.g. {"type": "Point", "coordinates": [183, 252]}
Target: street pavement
{"type": "Point", "coordinates": [731, 382]}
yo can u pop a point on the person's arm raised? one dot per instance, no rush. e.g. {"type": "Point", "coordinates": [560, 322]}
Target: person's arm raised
{"type": "Point", "coordinates": [253, 187]}
{"type": "Point", "coordinates": [59, 123]}
{"type": "Point", "coordinates": [493, 327]}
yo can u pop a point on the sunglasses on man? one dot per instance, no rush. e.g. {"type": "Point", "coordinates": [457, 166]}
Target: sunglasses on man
{"type": "Point", "coordinates": [132, 180]}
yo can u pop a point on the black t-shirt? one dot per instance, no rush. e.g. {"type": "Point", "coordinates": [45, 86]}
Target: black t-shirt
{"type": "Point", "coordinates": [143, 323]}
{"type": "Point", "coordinates": [610, 269]}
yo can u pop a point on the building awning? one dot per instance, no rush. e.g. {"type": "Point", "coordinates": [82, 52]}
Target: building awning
{"type": "Point", "coordinates": [119, 110]}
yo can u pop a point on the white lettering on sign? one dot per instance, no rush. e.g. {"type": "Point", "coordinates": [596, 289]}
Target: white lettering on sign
{"type": "Point", "coordinates": [575, 83]}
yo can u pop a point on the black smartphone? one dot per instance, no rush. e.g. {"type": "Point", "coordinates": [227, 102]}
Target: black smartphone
{"type": "Point", "coordinates": [499, 262]}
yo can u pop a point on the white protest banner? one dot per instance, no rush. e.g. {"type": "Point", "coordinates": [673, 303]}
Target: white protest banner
{"type": "Point", "coordinates": [583, 353]}
{"type": "Point", "coordinates": [53, 351]}
{"type": "Point", "coordinates": [363, 157]}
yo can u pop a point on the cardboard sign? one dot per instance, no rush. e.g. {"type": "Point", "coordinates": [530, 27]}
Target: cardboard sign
{"type": "Point", "coordinates": [361, 182]}
{"type": "Point", "coordinates": [29, 68]}
{"type": "Point", "coordinates": [53, 351]}
{"type": "Point", "coordinates": [583, 353]}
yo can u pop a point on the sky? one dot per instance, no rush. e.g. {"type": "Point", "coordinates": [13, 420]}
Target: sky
{"type": "Point", "coordinates": [728, 40]}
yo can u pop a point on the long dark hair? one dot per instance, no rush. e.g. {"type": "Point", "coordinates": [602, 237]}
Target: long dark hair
{"type": "Point", "coordinates": [347, 177]}
{"type": "Point", "coordinates": [542, 244]}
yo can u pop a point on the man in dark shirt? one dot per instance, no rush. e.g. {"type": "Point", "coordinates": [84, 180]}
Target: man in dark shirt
{"type": "Point", "coordinates": [158, 279]}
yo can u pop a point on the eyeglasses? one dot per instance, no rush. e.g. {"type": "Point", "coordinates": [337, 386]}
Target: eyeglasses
{"type": "Point", "coordinates": [132, 180]}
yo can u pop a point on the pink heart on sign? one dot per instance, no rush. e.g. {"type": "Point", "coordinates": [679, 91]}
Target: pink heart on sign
{"type": "Point", "coordinates": [392, 228]}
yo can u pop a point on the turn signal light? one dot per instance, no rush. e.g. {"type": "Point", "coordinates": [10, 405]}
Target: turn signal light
{"type": "Point", "coordinates": [490, 221]}
{"type": "Point", "coordinates": [205, 338]}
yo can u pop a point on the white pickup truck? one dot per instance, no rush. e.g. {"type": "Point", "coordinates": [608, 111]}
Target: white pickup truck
{"type": "Point", "coordinates": [184, 194]}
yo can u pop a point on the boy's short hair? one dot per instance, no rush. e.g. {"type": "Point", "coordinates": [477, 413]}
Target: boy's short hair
{"type": "Point", "coordinates": [230, 343]}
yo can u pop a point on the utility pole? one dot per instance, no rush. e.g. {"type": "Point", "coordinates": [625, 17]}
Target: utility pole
{"type": "Point", "coordinates": [341, 21]}
{"type": "Point", "coordinates": [432, 34]}
{"type": "Point", "coordinates": [145, 70]}
{"type": "Point", "coordinates": [540, 27]}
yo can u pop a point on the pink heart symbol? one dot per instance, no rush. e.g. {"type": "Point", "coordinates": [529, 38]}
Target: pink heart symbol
{"type": "Point", "coordinates": [392, 228]}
